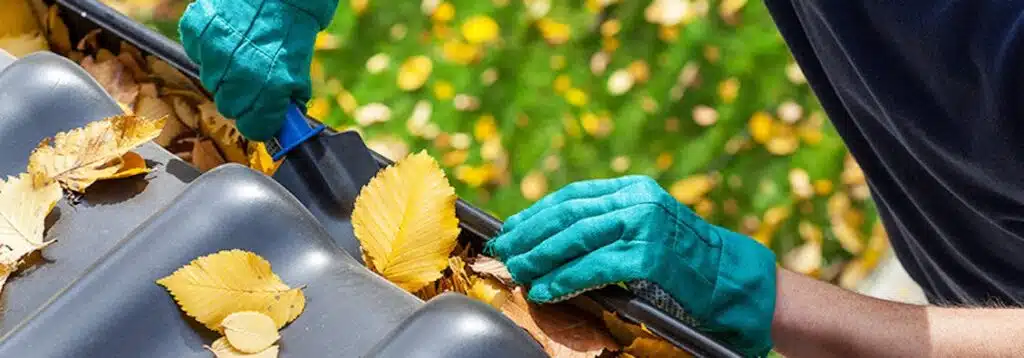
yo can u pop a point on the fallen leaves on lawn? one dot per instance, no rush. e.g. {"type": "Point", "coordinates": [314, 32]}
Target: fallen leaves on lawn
{"type": "Point", "coordinates": [405, 220]}
{"type": "Point", "coordinates": [214, 286]}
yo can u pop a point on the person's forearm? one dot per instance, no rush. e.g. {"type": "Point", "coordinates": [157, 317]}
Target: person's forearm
{"type": "Point", "coordinates": [815, 319]}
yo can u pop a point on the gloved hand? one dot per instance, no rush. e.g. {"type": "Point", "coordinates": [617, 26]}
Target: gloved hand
{"type": "Point", "coordinates": [254, 55]}
{"type": "Point", "coordinates": [596, 233]}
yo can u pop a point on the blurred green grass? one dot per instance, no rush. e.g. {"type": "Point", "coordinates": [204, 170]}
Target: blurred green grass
{"type": "Point", "coordinates": [717, 111]}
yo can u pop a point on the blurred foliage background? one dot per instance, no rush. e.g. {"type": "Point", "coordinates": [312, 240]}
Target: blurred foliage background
{"type": "Point", "coordinates": [517, 98]}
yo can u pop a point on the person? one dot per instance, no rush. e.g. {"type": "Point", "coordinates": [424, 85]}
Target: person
{"type": "Point", "coordinates": [924, 93]}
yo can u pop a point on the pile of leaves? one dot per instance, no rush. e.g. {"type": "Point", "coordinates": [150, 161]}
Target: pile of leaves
{"type": "Point", "coordinates": [405, 221]}
{"type": "Point", "coordinates": [235, 293]}
{"type": "Point", "coordinates": [71, 160]}
{"type": "Point", "coordinates": [142, 84]}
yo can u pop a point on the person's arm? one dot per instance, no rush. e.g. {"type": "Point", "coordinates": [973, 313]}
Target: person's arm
{"type": "Point", "coordinates": [815, 319]}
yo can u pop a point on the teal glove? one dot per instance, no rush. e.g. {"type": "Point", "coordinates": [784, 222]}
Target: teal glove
{"type": "Point", "coordinates": [254, 55]}
{"type": "Point", "coordinates": [596, 233]}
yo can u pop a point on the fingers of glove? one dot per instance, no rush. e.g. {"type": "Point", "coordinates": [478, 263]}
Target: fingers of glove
{"type": "Point", "coordinates": [621, 261]}
{"type": "Point", "coordinates": [554, 219]}
{"type": "Point", "coordinates": [265, 117]}
{"type": "Point", "coordinates": [578, 190]}
{"type": "Point", "coordinates": [193, 23]}
{"type": "Point", "coordinates": [578, 239]}
{"type": "Point", "coordinates": [243, 80]}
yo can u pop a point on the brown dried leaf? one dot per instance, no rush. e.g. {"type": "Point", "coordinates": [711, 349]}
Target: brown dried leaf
{"type": "Point", "coordinates": [185, 112]}
{"type": "Point", "coordinates": [148, 89]}
{"type": "Point", "coordinates": [195, 98]}
{"type": "Point", "coordinates": [76, 56]}
{"type": "Point", "coordinates": [562, 329]}
{"type": "Point", "coordinates": [104, 55]}
{"type": "Point", "coordinates": [223, 132]}
{"type": "Point", "coordinates": [461, 281]}
{"type": "Point", "coordinates": [151, 107]}
{"type": "Point", "coordinates": [490, 267]}
{"type": "Point", "coordinates": [133, 52]}
{"type": "Point", "coordinates": [169, 75]}
{"type": "Point", "coordinates": [114, 79]}
{"type": "Point", "coordinates": [88, 42]}
{"type": "Point", "coordinates": [129, 63]}
{"type": "Point", "coordinates": [205, 155]}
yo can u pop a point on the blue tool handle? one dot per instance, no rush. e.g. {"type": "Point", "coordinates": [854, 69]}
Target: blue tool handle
{"type": "Point", "coordinates": [295, 131]}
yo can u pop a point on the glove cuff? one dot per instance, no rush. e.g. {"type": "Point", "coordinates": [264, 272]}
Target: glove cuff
{"type": "Point", "coordinates": [321, 10]}
{"type": "Point", "coordinates": [742, 304]}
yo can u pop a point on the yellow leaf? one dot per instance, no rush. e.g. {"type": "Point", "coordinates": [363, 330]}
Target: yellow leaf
{"type": "Point", "coordinates": [60, 38]}
{"type": "Point", "coordinates": [152, 107]}
{"type": "Point", "coordinates": [405, 220]}
{"type": "Point", "coordinates": [18, 18]}
{"type": "Point", "coordinates": [414, 73]}
{"type": "Point", "coordinates": [625, 333]}
{"type": "Point", "coordinates": [480, 29]}
{"type": "Point", "coordinates": [133, 131]}
{"type": "Point", "coordinates": [250, 332]}
{"type": "Point", "coordinates": [653, 347]}
{"type": "Point", "coordinates": [23, 44]}
{"type": "Point", "coordinates": [489, 290]}
{"type": "Point", "coordinates": [222, 349]}
{"type": "Point", "coordinates": [223, 133]}
{"type": "Point", "coordinates": [211, 287]}
{"type": "Point", "coordinates": [260, 159]}
{"type": "Point", "coordinates": [23, 208]}
{"type": "Point", "coordinates": [461, 282]}
{"type": "Point", "coordinates": [79, 157]}
{"type": "Point", "coordinates": [132, 164]}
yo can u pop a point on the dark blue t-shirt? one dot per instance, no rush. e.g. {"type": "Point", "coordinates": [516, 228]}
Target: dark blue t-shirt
{"type": "Point", "coordinates": [928, 96]}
